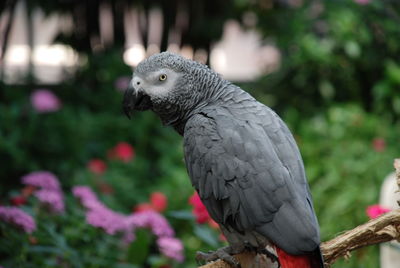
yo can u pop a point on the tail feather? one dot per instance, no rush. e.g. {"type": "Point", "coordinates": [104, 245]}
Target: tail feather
{"type": "Point", "coordinates": [313, 260]}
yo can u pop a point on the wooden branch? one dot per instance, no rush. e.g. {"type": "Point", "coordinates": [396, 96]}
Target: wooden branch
{"type": "Point", "coordinates": [382, 229]}
{"type": "Point", "coordinates": [379, 230]}
{"type": "Point", "coordinates": [397, 167]}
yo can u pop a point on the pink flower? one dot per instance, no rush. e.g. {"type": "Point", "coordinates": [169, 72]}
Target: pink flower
{"type": "Point", "coordinates": [49, 191]}
{"type": "Point", "coordinates": [159, 201]}
{"type": "Point", "coordinates": [18, 217]}
{"type": "Point", "coordinates": [379, 144]}
{"type": "Point", "coordinates": [222, 237]}
{"type": "Point", "coordinates": [199, 210]}
{"type": "Point", "coordinates": [375, 211]}
{"type": "Point", "coordinates": [153, 220]}
{"type": "Point", "coordinates": [122, 151]}
{"type": "Point", "coordinates": [42, 179]}
{"type": "Point", "coordinates": [87, 197]}
{"type": "Point", "coordinates": [97, 166]}
{"type": "Point", "coordinates": [171, 247]}
{"type": "Point", "coordinates": [213, 224]}
{"type": "Point", "coordinates": [362, 2]}
{"type": "Point", "coordinates": [44, 101]}
{"type": "Point", "coordinates": [122, 83]}
{"type": "Point", "coordinates": [102, 217]}
{"type": "Point", "coordinates": [98, 215]}
{"type": "Point", "coordinates": [143, 207]}
{"type": "Point", "coordinates": [52, 199]}
{"type": "Point", "coordinates": [18, 200]}
{"type": "Point", "coordinates": [105, 188]}
{"type": "Point", "coordinates": [28, 190]}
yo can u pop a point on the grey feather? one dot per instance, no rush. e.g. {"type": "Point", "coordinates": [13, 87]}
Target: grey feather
{"type": "Point", "coordinates": [255, 172]}
{"type": "Point", "coordinates": [240, 156]}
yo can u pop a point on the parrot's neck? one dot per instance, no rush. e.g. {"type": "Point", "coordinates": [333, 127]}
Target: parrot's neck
{"type": "Point", "coordinates": [178, 117]}
{"type": "Point", "coordinates": [228, 94]}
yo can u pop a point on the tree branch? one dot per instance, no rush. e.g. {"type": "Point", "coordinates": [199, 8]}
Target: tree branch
{"type": "Point", "coordinates": [379, 230]}
{"type": "Point", "coordinates": [397, 168]}
{"type": "Point", "coordinates": [382, 229]}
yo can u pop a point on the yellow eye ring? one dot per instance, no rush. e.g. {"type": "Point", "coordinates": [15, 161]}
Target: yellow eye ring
{"type": "Point", "coordinates": [163, 77]}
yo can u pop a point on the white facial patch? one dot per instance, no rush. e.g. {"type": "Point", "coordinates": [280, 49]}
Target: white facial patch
{"type": "Point", "coordinates": [158, 84]}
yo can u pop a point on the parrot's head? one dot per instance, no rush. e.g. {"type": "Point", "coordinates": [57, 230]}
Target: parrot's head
{"type": "Point", "coordinates": [171, 86]}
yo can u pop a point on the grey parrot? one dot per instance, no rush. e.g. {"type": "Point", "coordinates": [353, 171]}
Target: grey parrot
{"type": "Point", "coordinates": [240, 156]}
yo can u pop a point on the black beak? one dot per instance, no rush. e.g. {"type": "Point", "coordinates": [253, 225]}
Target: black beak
{"type": "Point", "coordinates": [135, 99]}
{"type": "Point", "coordinates": [129, 101]}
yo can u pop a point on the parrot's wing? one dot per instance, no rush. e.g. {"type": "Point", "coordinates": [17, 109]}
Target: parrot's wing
{"type": "Point", "coordinates": [249, 174]}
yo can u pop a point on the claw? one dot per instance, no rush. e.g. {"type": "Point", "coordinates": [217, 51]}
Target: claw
{"type": "Point", "coordinates": [222, 254]}
{"type": "Point", "coordinates": [271, 256]}
{"type": "Point", "coordinates": [206, 257]}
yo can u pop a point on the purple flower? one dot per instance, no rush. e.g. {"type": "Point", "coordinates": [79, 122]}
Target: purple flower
{"type": "Point", "coordinates": [122, 83]}
{"type": "Point", "coordinates": [362, 2]}
{"type": "Point", "coordinates": [153, 220]}
{"type": "Point", "coordinates": [84, 193]}
{"type": "Point", "coordinates": [171, 247]}
{"type": "Point", "coordinates": [53, 199]}
{"type": "Point", "coordinates": [44, 101]}
{"type": "Point", "coordinates": [87, 197]}
{"type": "Point", "coordinates": [42, 179]}
{"type": "Point", "coordinates": [18, 217]}
{"type": "Point", "coordinates": [98, 215]}
{"type": "Point", "coordinates": [111, 222]}
{"type": "Point", "coordinates": [49, 191]}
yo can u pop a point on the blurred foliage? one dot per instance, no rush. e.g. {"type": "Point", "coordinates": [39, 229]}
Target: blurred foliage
{"type": "Point", "coordinates": [90, 122]}
{"type": "Point", "coordinates": [87, 126]}
{"type": "Point", "coordinates": [338, 88]}
{"type": "Point", "coordinates": [67, 240]}
{"type": "Point", "coordinates": [332, 51]}
{"type": "Point", "coordinates": [347, 154]}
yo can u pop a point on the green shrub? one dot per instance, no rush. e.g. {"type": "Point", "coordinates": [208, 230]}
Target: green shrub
{"type": "Point", "coordinates": [347, 154]}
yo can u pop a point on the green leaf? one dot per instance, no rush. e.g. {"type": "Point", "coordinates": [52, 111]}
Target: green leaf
{"type": "Point", "coordinates": [352, 49]}
{"type": "Point", "coordinates": [157, 260]}
{"type": "Point", "coordinates": [46, 249]}
{"type": "Point", "coordinates": [138, 251]}
{"type": "Point", "coordinates": [125, 265]}
{"type": "Point", "coordinates": [393, 71]}
{"type": "Point", "coordinates": [181, 214]}
{"type": "Point", "coordinates": [206, 234]}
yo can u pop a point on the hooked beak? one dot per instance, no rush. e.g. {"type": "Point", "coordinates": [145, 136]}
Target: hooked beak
{"type": "Point", "coordinates": [135, 99]}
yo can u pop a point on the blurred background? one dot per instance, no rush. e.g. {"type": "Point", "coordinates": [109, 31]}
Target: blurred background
{"type": "Point", "coordinates": [331, 70]}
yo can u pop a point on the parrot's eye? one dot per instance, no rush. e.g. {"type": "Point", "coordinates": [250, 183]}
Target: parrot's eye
{"type": "Point", "coordinates": [163, 77]}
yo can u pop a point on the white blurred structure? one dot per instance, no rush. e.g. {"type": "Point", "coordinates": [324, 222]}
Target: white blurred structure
{"type": "Point", "coordinates": [390, 252]}
{"type": "Point", "coordinates": [239, 56]}
{"type": "Point", "coordinates": [51, 63]}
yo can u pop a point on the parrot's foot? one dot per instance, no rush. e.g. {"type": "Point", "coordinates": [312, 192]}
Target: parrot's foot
{"type": "Point", "coordinates": [262, 261]}
{"type": "Point", "coordinates": [224, 254]}
{"type": "Point", "coordinates": [270, 256]}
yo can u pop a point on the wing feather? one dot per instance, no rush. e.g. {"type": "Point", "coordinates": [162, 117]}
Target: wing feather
{"type": "Point", "coordinates": [248, 171]}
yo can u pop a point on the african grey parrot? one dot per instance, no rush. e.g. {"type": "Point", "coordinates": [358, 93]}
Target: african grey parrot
{"type": "Point", "coordinates": [241, 158]}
